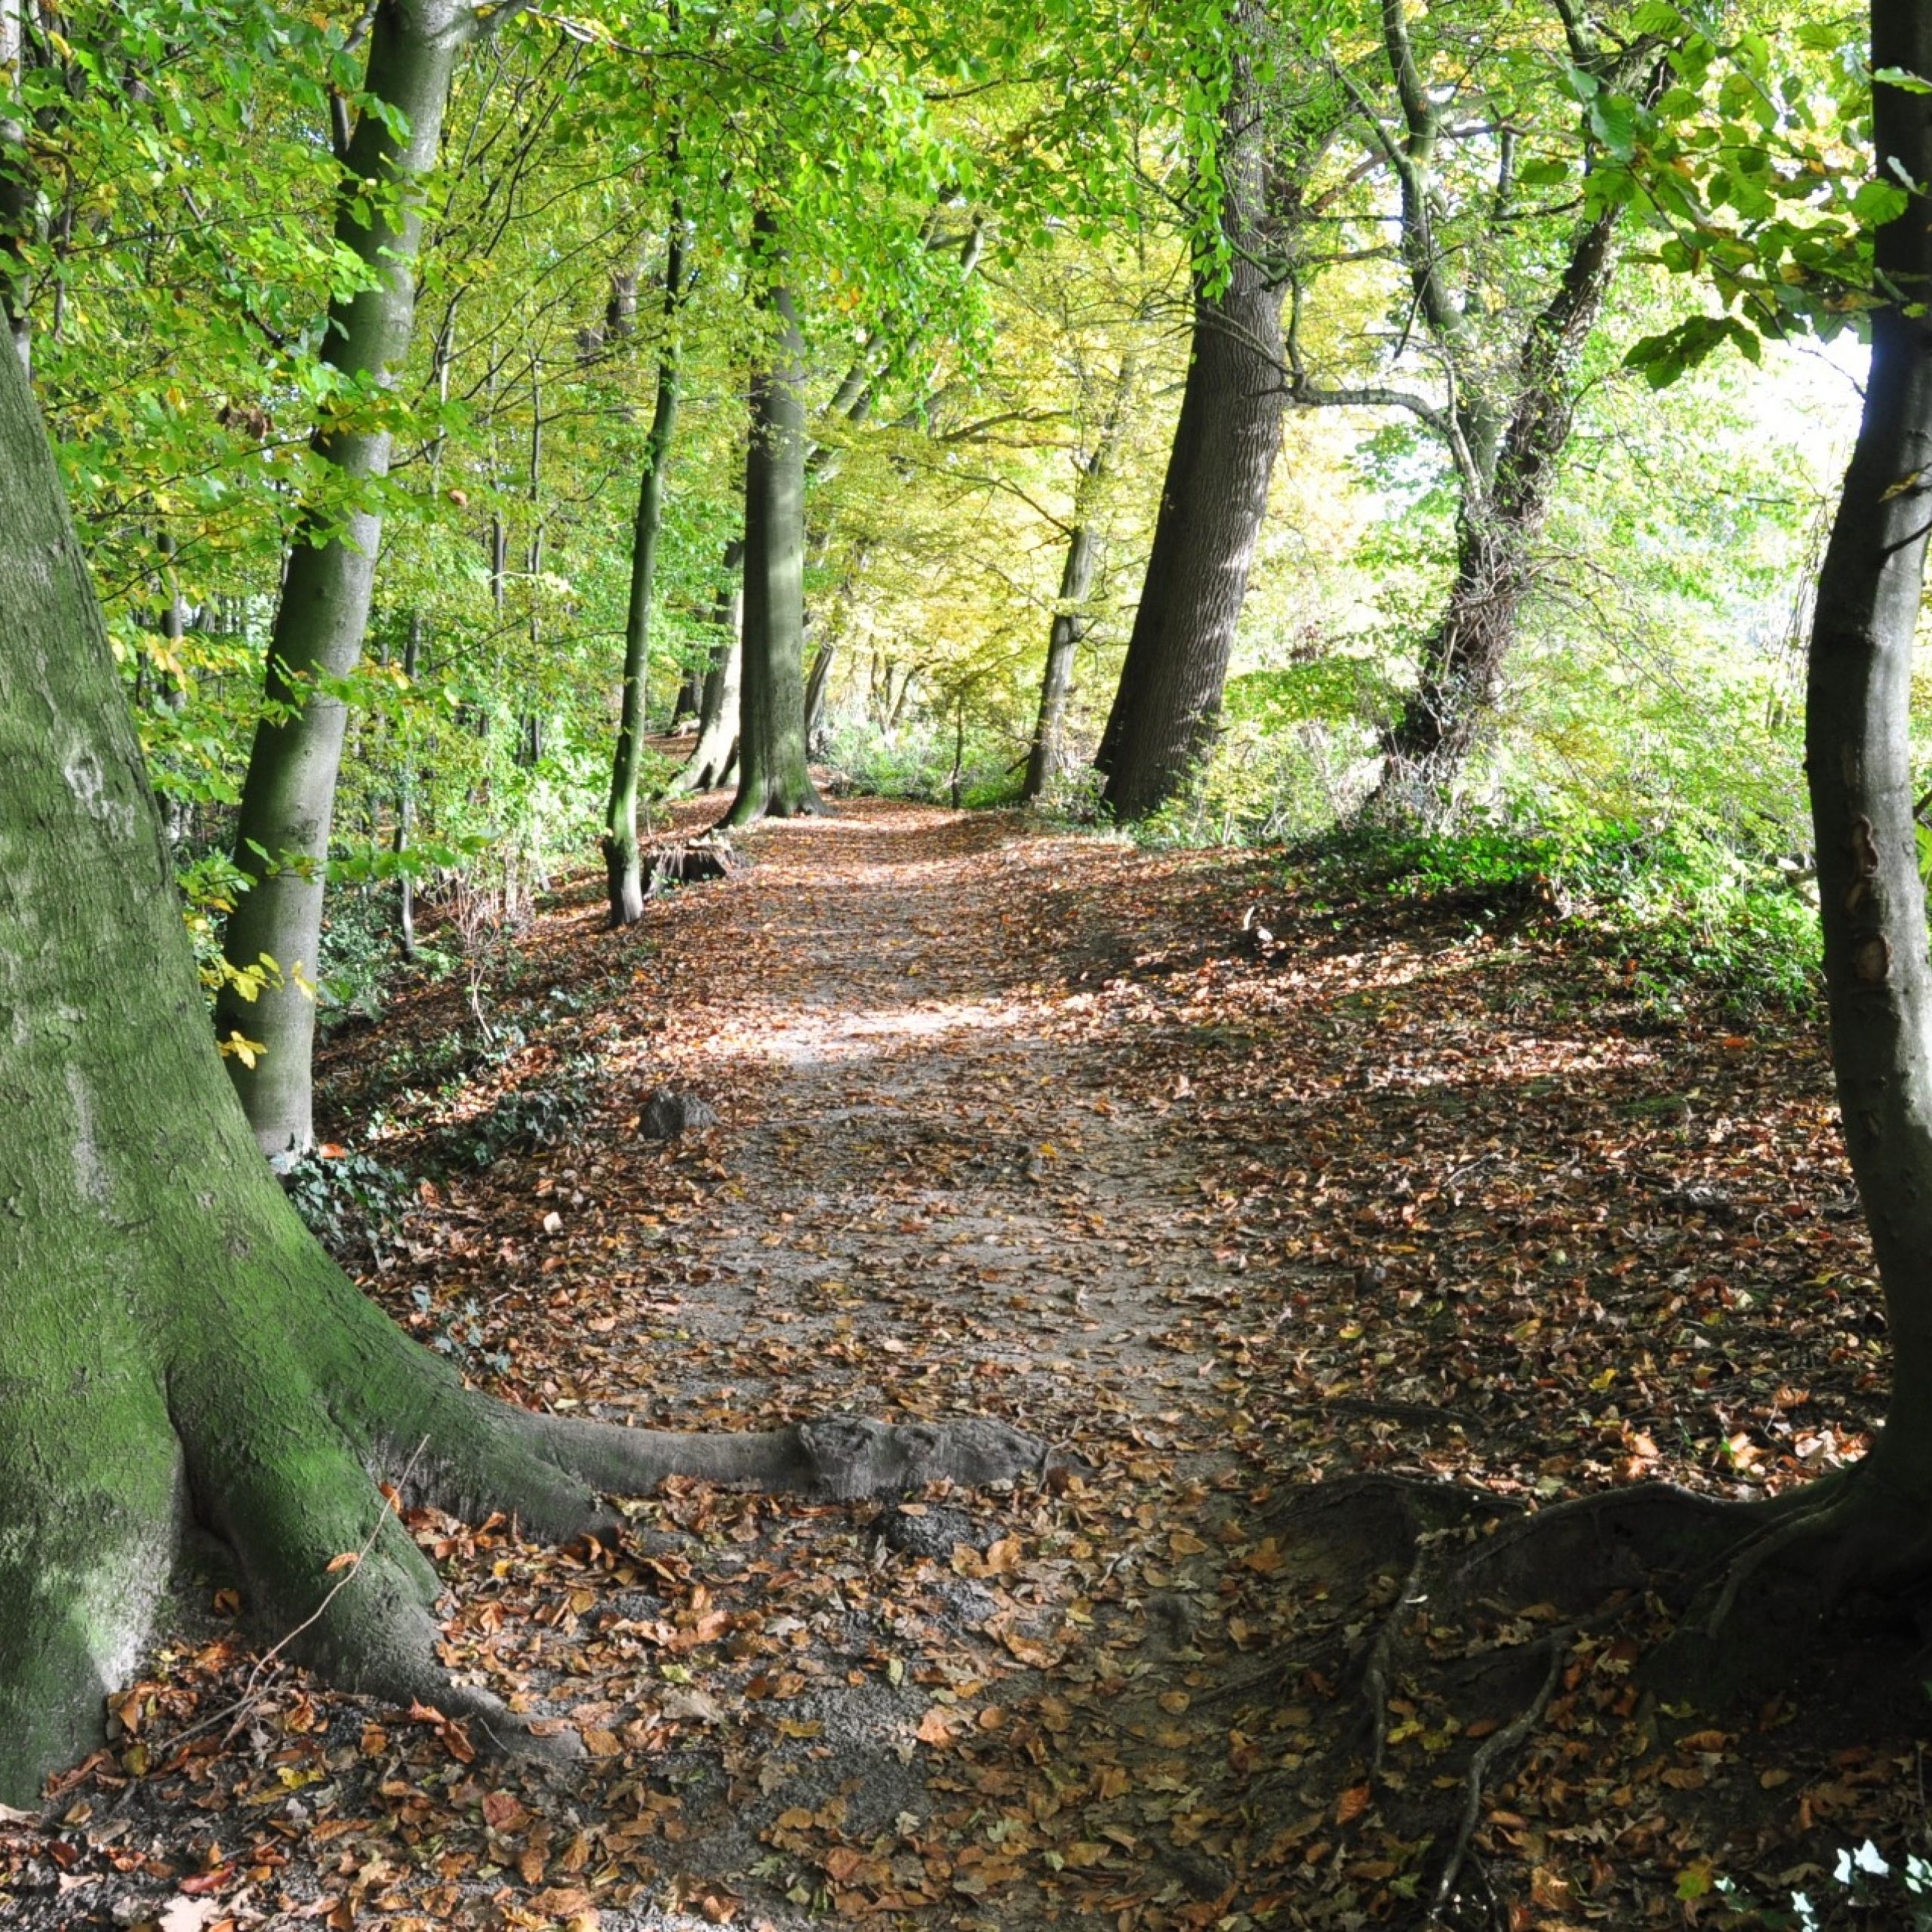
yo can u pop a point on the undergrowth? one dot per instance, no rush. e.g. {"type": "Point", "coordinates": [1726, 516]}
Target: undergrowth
{"type": "Point", "coordinates": [1694, 915]}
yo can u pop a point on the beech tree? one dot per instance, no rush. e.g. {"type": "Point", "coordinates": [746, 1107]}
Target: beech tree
{"type": "Point", "coordinates": [265, 1012]}
{"type": "Point", "coordinates": [773, 781]}
{"type": "Point", "coordinates": [1215, 493]}
{"type": "Point", "coordinates": [624, 875]}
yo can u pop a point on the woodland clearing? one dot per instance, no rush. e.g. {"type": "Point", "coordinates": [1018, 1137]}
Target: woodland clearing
{"type": "Point", "coordinates": [1030, 1124]}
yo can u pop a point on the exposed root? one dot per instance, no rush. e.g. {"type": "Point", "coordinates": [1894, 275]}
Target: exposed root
{"type": "Point", "coordinates": [840, 1458]}
{"type": "Point", "coordinates": [1495, 1749]}
{"type": "Point", "coordinates": [1778, 1538]}
{"type": "Point", "coordinates": [1494, 1603]}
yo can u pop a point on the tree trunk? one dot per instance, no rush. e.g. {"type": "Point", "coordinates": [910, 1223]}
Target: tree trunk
{"type": "Point", "coordinates": [1047, 760]}
{"type": "Point", "coordinates": [1215, 491]}
{"type": "Point", "coordinates": [773, 779]}
{"type": "Point", "coordinates": [175, 1344]}
{"type": "Point", "coordinates": [288, 797]}
{"type": "Point", "coordinates": [625, 881]}
{"type": "Point", "coordinates": [405, 799]}
{"type": "Point", "coordinates": [16, 184]}
{"type": "Point", "coordinates": [1503, 510]}
{"type": "Point", "coordinates": [1858, 756]}
{"type": "Point", "coordinates": [689, 703]}
{"type": "Point", "coordinates": [816, 688]}
{"type": "Point", "coordinates": [717, 743]}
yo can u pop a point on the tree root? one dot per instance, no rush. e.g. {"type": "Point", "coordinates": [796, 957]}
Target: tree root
{"type": "Point", "coordinates": [842, 1459]}
{"type": "Point", "coordinates": [1456, 1645]}
{"type": "Point", "coordinates": [1495, 1749]}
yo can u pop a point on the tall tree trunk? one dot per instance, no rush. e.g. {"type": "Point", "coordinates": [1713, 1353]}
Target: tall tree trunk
{"type": "Point", "coordinates": [1215, 491]}
{"type": "Point", "coordinates": [712, 757]}
{"type": "Point", "coordinates": [1047, 760]}
{"type": "Point", "coordinates": [1858, 757]}
{"type": "Point", "coordinates": [175, 1344]}
{"type": "Point", "coordinates": [405, 801]}
{"type": "Point", "coordinates": [773, 779]}
{"type": "Point", "coordinates": [816, 685]}
{"type": "Point", "coordinates": [530, 736]}
{"type": "Point", "coordinates": [288, 797]}
{"type": "Point", "coordinates": [689, 703]}
{"type": "Point", "coordinates": [621, 865]}
{"type": "Point", "coordinates": [1503, 506]}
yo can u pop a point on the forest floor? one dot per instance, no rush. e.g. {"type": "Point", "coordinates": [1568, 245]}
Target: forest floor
{"type": "Point", "coordinates": [1016, 1122]}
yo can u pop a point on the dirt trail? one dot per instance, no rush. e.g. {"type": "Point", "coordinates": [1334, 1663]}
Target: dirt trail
{"type": "Point", "coordinates": [937, 1195]}
{"type": "Point", "coordinates": [1424, 1195]}
{"type": "Point", "coordinates": [930, 1192]}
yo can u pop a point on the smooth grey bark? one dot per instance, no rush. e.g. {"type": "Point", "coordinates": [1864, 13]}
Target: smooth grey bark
{"type": "Point", "coordinates": [1047, 758]}
{"type": "Point", "coordinates": [288, 796]}
{"type": "Point", "coordinates": [773, 780]}
{"type": "Point", "coordinates": [1215, 493]}
{"type": "Point", "coordinates": [174, 1345]}
{"type": "Point", "coordinates": [1858, 760]}
{"type": "Point", "coordinates": [624, 879]}
{"type": "Point", "coordinates": [717, 746]}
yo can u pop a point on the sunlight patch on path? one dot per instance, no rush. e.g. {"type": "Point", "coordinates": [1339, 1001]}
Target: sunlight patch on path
{"type": "Point", "coordinates": [816, 1039]}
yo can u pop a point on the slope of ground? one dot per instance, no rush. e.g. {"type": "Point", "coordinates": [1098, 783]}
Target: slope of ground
{"type": "Point", "coordinates": [1018, 1123]}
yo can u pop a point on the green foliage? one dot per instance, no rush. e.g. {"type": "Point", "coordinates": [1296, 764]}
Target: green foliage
{"type": "Point", "coordinates": [1866, 1889]}
{"type": "Point", "coordinates": [917, 764]}
{"type": "Point", "coordinates": [523, 1120]}
{"type": "Point", "coordinates": [1689, 915]}
{"type": "Point", "coordinates": [352, 1203]}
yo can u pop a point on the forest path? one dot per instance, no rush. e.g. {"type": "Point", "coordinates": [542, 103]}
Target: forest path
{"type": "Point", "coordinates": [1220, 1174]}
{"type": "Point", "coordinates": [940, 1185]}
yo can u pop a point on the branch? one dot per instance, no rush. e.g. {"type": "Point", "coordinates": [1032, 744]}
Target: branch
{"type": "Point", "coordinates": [1305, 395]}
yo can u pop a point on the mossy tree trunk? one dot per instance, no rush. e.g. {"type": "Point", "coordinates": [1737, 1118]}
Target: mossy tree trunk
{"type": "Point", "coordinates": [288, 796]}
{"type": "Point", "coordinates": [174, 1345]}
{"type": "Point", "coordinates": [623, 874]}
{"type": "Point", "coordinates": [1215, 493]}
{"type": "Point", "coordinates": [773, 780]}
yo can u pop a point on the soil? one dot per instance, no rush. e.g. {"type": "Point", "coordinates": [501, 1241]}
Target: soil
{"type": "Point", "coordinates": [1303, 1228]}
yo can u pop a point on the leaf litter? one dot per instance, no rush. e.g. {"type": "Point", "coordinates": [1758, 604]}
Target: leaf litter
{"type": "Point", "coordinates": [1315, 1245]}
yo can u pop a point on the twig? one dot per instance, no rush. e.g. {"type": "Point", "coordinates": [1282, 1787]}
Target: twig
{"type": "Point", "coordinates": [251, 1690]}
